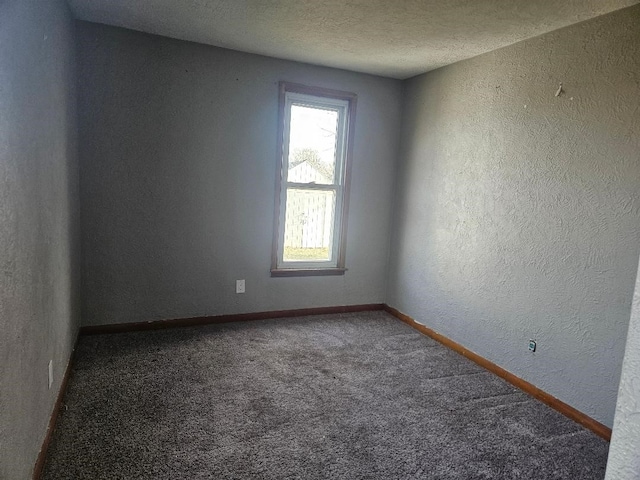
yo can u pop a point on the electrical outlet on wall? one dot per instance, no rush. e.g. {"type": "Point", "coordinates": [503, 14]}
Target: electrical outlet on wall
{"type": "Point", "coordinates": [239, 286]}
{"type": "Point", "coordinates": [50, 373]}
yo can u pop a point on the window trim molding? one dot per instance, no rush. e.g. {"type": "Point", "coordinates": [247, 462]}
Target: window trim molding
{"type": "Point", "coordinates": [351, 99]}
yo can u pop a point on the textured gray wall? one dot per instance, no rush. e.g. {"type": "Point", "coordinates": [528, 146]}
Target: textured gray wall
{"type": "Point", "coordinates": [517, 212]}
{"type": "Point", "coordinates": [177, 167]}
{"type": "Point", "coordinates": [39, 278]}
{"type": "Point", "coordinates": [624, 456]}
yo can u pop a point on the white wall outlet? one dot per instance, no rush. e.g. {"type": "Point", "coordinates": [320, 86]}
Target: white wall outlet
{"type": "Point", "coordinates": [239, 286]}
{"type": "Point", "coordinates": [50, 373]}
{"type": "Point", "coordinates": [532, 345]}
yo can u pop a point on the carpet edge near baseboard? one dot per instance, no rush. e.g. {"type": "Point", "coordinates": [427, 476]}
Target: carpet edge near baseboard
{"type": "Point", "coordinates": [567, 410]}
{"type": "Point", "coordinates": [38, 468]}
{"type": "Point", "coordinates": [228, 318]}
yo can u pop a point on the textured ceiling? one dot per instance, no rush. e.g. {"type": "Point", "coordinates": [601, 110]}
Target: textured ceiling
{"type": "Point", "coordinates": [394, 38]}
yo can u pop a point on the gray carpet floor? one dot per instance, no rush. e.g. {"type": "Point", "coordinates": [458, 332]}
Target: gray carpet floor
{"type": "Point", "coordinates": [354, 396]}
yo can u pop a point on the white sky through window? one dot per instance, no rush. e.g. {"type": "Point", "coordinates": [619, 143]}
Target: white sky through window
{"type": "Point", "coordinates": [315, 129]}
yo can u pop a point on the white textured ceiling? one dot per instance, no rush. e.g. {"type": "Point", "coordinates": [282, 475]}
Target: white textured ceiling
{"type": "Point", "coordinates": [394, 38]}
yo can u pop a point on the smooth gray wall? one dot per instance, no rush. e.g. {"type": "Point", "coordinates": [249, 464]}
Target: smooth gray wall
{"type": "Point", "coordinates": [178, 167]}
{"type": "Point", "coordinates": [518, 212]}
{"type": "Point", "coordinates": [39, 278]}
{"type": "Point", "coordinates": [624, 457]}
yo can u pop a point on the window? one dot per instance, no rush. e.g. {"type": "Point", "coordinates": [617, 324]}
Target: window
{"type": "Point", "coordinates": [314, 148]}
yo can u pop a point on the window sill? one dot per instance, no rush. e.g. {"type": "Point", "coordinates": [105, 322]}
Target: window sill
{"type": "Point", "coordinates": [306, 272]}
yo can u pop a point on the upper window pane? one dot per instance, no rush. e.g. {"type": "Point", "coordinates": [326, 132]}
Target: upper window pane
{"type": "Point", "coordinates": [312, 145]}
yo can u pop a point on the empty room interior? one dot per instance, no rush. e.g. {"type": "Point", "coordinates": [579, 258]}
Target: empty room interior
{"type": "Point", "coordinates": [319, 239]}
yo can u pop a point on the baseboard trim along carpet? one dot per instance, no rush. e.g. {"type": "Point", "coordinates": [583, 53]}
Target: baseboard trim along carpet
{"type": "Point", "coordinates": [567, 410]}
{"type": "Point", "coordinates": [38, 469]}
{"type": "Point", "coordinates": [237, 317]}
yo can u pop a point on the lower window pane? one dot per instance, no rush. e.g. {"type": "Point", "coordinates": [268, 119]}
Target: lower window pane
{"type": "Point", "coordinates": [308, 229]}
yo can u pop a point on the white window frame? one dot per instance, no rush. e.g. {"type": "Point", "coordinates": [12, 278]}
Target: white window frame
{"type": "Point", "coordinates": [344, 103]}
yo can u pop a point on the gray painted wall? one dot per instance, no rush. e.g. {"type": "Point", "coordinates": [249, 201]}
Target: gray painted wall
{"type": "Point", "coordinates": [518, 212]}
{"type": "Point", "coordinates": [624, 460]}
{"type": "Point", "coordinates": [39, 278]}
{"type": "Point", "coordinates": [178, 156]}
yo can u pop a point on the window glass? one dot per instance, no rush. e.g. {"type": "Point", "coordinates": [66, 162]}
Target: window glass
{"type": "Point", "coordinates": [310, 220]}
